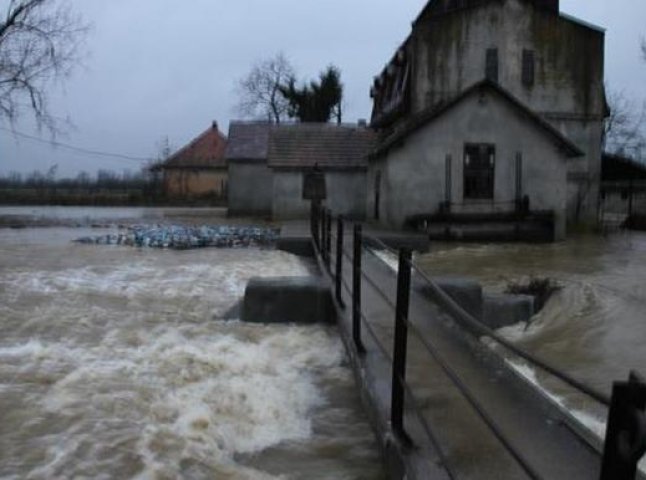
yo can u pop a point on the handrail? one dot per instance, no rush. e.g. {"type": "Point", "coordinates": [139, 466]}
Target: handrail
{"type": "Point", "coordinates": [627, 399]}
{"type": "Point", "coordinates": [409, 392]}
{"type": "Point", "coordinates": [455, 379]}
{"type": "Point", "coordinates": [451, 374]}
{"type": "Point", "coordinates": [455, 309]}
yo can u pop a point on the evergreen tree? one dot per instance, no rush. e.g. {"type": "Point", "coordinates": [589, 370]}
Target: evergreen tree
{"type": "Point", "coordinates": [317, 102]}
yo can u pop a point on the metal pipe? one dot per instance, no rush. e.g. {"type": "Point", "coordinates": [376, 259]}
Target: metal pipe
{"type": "Point", "coordinates": [356, 289]}
{"type": "Point", "coordinates": [400, 346]}
{"type": "Point", "coordinates": [328, 241]}
{"type": "Point", "coordinates": [339, 260]}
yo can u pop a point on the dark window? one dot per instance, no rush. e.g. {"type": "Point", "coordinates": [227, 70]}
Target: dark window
{"type": "Point", "coordinates": [528, 68]}
{"type": "Point", "coordinates": [491, 69]}
{"type": "Point", "coordinates": [479, 165]}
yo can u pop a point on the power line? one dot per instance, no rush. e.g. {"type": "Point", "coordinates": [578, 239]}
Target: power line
{"type": "Point", "coordinates": [74, 148]}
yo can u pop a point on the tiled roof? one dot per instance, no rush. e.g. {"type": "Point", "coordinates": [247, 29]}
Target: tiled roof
{"type": "Point", "coordinates": [330, 146]}
{"type": "Point", "coordinates": [207, 150]}
{"type": "Point", "coordinates": [248, 141]}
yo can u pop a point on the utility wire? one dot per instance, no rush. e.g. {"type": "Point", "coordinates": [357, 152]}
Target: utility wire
{"type": "Point", "coordinates": [74, 148]}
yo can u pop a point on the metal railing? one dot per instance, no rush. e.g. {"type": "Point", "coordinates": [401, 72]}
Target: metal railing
{"type": "Point", "coordinates": [625, 442]}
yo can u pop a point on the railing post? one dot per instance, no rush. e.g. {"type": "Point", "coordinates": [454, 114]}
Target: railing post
{"type": "Point", "coordinates": [314, 223]}
{"type": "Point", "coordinates": [339, 260]}
{"type": "Point", "coordinates": [328, 241]}
{"type": "Point", "coordinates": [625, 441]}
{"type": "Point", "coordinates": [400, 345]}
{"type": "Point", "coordinates": [356, 289]}
{"type": "Point", "coordinates": [322, 232]}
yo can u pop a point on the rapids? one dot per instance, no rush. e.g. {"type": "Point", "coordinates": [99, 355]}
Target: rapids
{"type": "Point", "coordinates": [116, 363]}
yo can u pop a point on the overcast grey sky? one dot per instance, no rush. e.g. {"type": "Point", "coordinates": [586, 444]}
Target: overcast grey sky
{"type": "Point", "coordinates": [169, 67]}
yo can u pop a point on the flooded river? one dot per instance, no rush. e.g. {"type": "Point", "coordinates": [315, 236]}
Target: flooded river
{"type": "Point", "coordinates": [115, 362]}
{"type": "Point", "coordinates": [595, 327]}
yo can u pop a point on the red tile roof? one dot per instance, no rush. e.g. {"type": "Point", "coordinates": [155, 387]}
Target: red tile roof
{"type": "Point", "coordinates": [205, 151]}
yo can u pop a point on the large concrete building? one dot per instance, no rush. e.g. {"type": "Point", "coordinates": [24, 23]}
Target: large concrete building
{"type": "Point", "coordinates": [267, 164]}
{"type": "Point", "coordinates": [490, 99]}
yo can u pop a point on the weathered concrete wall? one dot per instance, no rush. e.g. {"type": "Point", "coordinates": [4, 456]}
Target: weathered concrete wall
{"type": "Point", "coordinates": [449, 52]}
{"type": "Point", "coordinates": [413, 176]}
{"type": "Point", "coordinates": [346, 194]}
{"type": "Point", "coordinates": [288, 300]}
{"type": "Point", "coordinates": [450, 55]}
{"type": "Point", "coordinates": [250, 188]}
{"type": "Point", "coordinates": [194, 182]}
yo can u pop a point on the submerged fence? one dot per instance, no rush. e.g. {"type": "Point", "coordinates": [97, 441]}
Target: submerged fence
{"type": "Point", "coordinates": [625, 441]}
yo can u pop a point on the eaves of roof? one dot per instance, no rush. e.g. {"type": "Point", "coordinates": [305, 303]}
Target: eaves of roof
{"type": "Point", "coordinates": [427, 116]}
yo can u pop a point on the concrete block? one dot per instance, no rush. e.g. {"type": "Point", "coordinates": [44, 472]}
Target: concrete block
{"type": "Point", "coordinates": [288, 300]}
{"type": "Point", "coordinates": [300, 246]}
{"type": "Point", "coordinates": [502, 310]}
{"type": "Point", "coordinates": [466, 292]}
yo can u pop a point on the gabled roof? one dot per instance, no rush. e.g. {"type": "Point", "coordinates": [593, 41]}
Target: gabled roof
{"type": "Point", "coordinates": [427, 116]}
{"type": "Point", "coordinates": [248, 140]}
{"type": "Point", "coordinates": [303, 145]}
{"type": "Point", "coordinates": [205, 151]}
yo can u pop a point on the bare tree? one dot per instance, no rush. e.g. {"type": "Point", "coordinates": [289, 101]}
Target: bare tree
{"type": "Point", "coordinates": [39, 44]}
{"type": "Point", "coordinates": [623, 131]}
{"type": "Point", "coordinates": [259, 92]}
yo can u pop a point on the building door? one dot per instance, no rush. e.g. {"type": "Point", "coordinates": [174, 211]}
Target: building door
{"type": "Point", "coordinates": [377, 193]}
{"type": "Point", "coordinates": [479, 167]}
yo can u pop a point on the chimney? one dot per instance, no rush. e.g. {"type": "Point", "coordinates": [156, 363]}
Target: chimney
{"type": "Point", "coordinates": [362, 123]}
{"type": "Point", "coordinates": [214, 125]}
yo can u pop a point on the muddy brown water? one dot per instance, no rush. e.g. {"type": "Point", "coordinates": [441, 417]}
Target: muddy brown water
{"type": "Point", "coordinates": [593, 328]}
{"type": "Point", "coordinates": [115, 363]}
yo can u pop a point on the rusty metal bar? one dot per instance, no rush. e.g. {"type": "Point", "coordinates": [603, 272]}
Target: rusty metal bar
{"type": "Point", "coordinates": [625, 443]}
{"type": "Point", "coordinates": [339, 260]}
{"type": "Point", "coordinates": [356, 289]}
{"type": "Point", "coordinates": [400, 345]}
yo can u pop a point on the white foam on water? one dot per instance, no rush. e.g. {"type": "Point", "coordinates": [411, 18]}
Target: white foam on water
{"type": "Point", "coordinates": [136, 391]}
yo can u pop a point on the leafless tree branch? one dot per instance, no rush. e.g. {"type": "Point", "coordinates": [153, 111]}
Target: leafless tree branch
{"type": "Point", "coordinates": [623, 131]}
{"type": "Point", "coordinates": [259, 93]}
{"type": "Point", "coordinates": [40, 44]}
